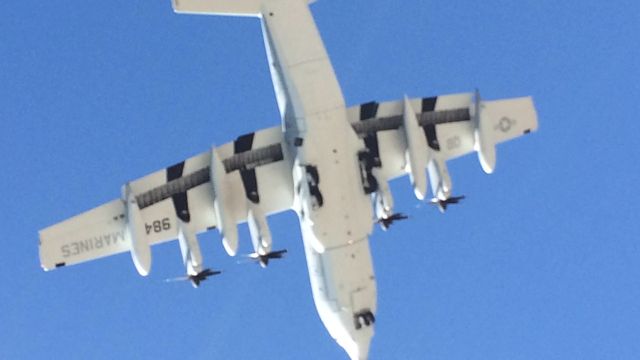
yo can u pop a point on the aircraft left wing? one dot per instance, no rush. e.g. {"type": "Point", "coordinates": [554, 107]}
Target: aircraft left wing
{"type": "Point", "coordinates": [215, 189]}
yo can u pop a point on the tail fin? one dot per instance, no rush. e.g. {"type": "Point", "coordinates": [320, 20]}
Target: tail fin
{"type": "Point", "coordinates": [220, 7]}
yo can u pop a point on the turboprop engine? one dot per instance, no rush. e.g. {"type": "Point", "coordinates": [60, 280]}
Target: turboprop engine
{"type": "Point", "coordinates": [441, 184]}
{"type": "Point", "coordinates": [191, 256]}
{"type": "Point", "coordinates": [190, 249]}
{"type": "Point", "coordinates": [383, 201]}
{"type": "Point", "coordinates": [136, 234]}
{"type": "Point", "coordinates": [259, 229]}
{"type": "Point", "coordinates": [383, 206]}
{"type": "Point", "coordinates": [261, 236]}
{"type": "Point", "coordinates": [439, 178]}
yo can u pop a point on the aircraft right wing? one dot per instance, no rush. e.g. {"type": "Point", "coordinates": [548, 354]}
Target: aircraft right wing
{"type": "Point", "coordinates": [419, 132]}
{"type": "Point", "coordinates": [201, 193]}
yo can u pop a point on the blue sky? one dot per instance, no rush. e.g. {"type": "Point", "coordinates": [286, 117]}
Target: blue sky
{"type": "Point", "coordinates": [540, 262]}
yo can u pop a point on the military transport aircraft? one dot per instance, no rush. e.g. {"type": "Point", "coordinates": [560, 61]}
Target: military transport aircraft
{"type": "Point", "coordinates": [329, 163]}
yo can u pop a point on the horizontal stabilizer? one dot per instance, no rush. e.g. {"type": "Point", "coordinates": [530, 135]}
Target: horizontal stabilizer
{"type": "Point", "coordinates": [220, 7]}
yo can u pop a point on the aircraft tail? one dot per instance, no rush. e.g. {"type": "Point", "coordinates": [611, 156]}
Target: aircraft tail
{"type": "Point", "coordinates": [220, 7]}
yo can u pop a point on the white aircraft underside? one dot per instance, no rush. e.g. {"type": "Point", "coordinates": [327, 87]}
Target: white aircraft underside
{"type": "Point", "coordinates": [329, 163]}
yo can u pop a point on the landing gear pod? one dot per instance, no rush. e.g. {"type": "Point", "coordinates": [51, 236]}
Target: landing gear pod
{"type": "Point", "coordinates": [135, 232]}
{"type": "Point", "coordinates": [416, 157]}
{"type": "Point", "coordinates": [227, 225]}
{"type": "Point", "coordinates": [485, 145]}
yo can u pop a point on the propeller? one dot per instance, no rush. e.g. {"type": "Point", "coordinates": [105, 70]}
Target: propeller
{"type": "Point", "coordinates": [197, 278]}
{"type": "Point", "coordinates": [385, 223]}
{"type": "Point", "coordinates": [263, 260]}
{"type": "Point", "coordinates": [443, 204]}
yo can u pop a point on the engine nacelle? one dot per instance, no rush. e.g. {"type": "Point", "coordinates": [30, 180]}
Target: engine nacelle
{"type": "Point", "coordinates": [415, 155]}
{"type": "Point", "coordinates": [485, 144]}
{"type": "Point", "coordinates": [190, 249]}
{"type": "Point", "coordinates": [226, 223]}
{"type": "Point", "coordinates": [439, 178]}
{"type": "Point", "coordinates": [135, 232]}
{"type": "Point", "coordinates": [259, 230]}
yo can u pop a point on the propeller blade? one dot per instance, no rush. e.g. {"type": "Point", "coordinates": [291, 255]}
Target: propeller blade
{"type": "Point", "coordinates": [276, 254]}
{"type": "Point", "coordinates": [263, 260]}
{"type": "Point", "coordinates": [443, 204]}
{"type": "Point", "coordinates": [197, 278]}
{"type": "Point", "coordinates": [385, 223]}
{"type": "Point", "coordinates": [209, 272]}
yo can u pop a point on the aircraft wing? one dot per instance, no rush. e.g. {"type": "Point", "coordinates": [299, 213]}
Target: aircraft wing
{"type": "Point", "coordinates": [252, 171]}
{"type": "Point", "coordinates": [450, 126]}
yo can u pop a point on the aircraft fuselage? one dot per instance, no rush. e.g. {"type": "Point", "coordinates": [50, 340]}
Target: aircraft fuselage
{"type": "Point", "coordinates": [335, 224]}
